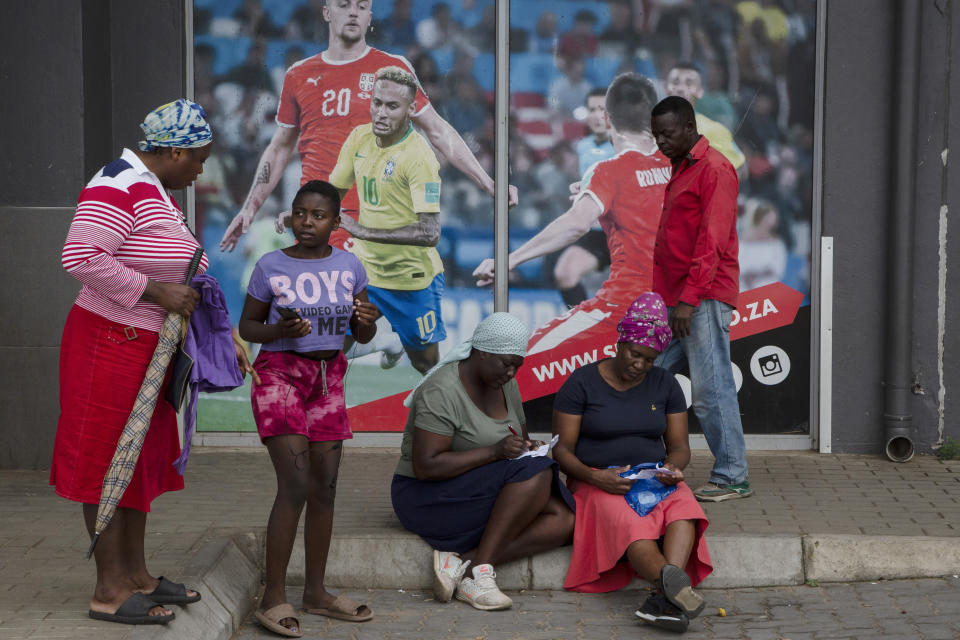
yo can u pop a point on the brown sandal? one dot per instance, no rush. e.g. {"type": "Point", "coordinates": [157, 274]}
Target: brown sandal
{"type": "Point", "coordinates": [271, 620]}
{"type": "Point", "coordinates": [343, 608]}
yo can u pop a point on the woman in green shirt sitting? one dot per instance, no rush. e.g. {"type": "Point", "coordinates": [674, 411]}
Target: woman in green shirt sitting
{"type": "Point", "coordinates": [461, 484]}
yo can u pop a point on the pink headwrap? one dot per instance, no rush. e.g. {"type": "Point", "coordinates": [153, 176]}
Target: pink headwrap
{"type": "Point", "coordinates": [646, 323]}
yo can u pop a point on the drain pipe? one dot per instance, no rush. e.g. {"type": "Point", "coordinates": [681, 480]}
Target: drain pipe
{"type": "Point", "coordinates": [897, 418]}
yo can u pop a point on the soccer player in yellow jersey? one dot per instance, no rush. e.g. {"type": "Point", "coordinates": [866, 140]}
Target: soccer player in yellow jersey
{"type": "Point", "coordinates": [398, 184]}
{"type": "Point", "coordinates": [684, 81]}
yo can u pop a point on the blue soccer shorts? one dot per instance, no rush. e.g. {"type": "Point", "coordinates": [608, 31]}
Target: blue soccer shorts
{"type": "Point", "coordinates": [415, 315]}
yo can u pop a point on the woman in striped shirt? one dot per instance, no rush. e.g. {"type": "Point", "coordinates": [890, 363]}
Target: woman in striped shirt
{"type": "Point", "coordinates": [129, 246]}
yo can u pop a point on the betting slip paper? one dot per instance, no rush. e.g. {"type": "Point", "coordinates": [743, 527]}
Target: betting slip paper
{"type": "Point", "coordinates": [649, 473]}
{"type": "Point", "coordinates": [540, 451]}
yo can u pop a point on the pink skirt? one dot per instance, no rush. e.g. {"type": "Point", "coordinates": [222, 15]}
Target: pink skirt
{"type": "Point", "coordinates": [606, 525]}
{"type": "Point", "coordinates": [101, 369]}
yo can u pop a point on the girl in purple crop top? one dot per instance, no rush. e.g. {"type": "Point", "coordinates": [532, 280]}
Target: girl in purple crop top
{"type": "Point", "coordinates": [300, 303]}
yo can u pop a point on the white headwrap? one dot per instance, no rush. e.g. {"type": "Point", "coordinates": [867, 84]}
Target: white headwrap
{"type": "Point", "coordinates": [501, 333]}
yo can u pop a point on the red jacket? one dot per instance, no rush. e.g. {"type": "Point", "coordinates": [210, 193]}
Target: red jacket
{"type": "Point", "coordinates": [696, 253]}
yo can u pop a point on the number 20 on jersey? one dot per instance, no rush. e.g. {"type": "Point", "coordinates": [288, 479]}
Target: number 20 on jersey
{"type": "Point", "coordinates": [336, 102]}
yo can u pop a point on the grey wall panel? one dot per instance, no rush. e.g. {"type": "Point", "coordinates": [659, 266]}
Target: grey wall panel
{"type": "Point", "coordinates": [78, 76]}
{"type": "Point", "coordinates": [85, 72]}
{"type": "Point", "coordinates": [951, 196]}
{"type": "Point", "coordinates": [857, 163]}
{"type": "Point", "coordinates": [933, 104]}
{"type": "Point", "coordinates": [147, 58]}
{"type": "Point", "coordinates": [38, 297]}
{"type": "Point", "coordinates": [97, 87]}
{"type": "Point", "coordinates": [42, 124]}
{"type": "Point", "coordinates": [30, 401]}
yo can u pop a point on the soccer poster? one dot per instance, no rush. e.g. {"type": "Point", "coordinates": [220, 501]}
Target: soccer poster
{"type": "Point", "coordinates": [747, 66]}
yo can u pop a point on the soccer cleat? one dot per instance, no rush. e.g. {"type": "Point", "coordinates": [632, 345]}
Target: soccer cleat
{"type": "Point", "coordinates": [389, 359]}
{"type": "Point", "coordinates": [481, 591]}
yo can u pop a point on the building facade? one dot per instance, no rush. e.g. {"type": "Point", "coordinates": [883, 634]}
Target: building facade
{"type": "Point", "coordinates": [78, 77]}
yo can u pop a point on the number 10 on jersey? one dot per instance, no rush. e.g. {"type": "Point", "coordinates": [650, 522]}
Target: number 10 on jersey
{"type": "Point", "coordinates": [370, 193]}
{"type": "Point", "coordinates": [427, 323]}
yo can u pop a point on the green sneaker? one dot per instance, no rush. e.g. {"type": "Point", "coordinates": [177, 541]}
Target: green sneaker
{"type": "Point", "coordinates": [719, 492]}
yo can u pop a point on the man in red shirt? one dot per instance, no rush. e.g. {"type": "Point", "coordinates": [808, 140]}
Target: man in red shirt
{"type": "Point", "coordinates": [696, 271]}
{"type": "Point", "coordinates": [623, 193]}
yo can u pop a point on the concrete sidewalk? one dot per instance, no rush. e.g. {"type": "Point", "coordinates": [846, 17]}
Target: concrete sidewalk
{"type": "Point", "coordinates": [813, 517]}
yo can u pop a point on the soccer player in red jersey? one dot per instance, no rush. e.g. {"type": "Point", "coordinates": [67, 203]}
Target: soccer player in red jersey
{"type": "Point", "coordinates": [323, 99]}
{"type": "Point", "coordinates": [625, 193]}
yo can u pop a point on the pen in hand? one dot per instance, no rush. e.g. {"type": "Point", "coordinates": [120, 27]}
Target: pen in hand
{"type": "Point", "coordinates": [530, 445]}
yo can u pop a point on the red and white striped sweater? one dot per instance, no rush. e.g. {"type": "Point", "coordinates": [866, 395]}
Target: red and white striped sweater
{"type": "Point", "coordinates": [127, 230]}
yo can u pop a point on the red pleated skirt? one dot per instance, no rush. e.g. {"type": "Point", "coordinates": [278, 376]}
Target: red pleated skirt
{"type": "Point", "coordinates": [606, 525]}
{"type": "Point", "coordinates": [101, 370]}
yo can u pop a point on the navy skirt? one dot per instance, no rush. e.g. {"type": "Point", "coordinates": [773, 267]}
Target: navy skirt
{"type": "Point", "coordinates": [452, 514]}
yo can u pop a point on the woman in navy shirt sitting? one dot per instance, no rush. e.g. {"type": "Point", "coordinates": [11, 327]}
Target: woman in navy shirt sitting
{"type": "Point", "coordinates": [613, 414]}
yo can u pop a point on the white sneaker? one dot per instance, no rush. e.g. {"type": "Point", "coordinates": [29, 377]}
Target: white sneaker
{"type": "Point", "coordinates": [481, 590]}
{"type": "Point", "coordinates": [448, 570]}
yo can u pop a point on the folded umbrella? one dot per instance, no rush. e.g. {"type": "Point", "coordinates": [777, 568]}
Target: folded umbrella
{"type": "Point", "coordinates": [121, 468]}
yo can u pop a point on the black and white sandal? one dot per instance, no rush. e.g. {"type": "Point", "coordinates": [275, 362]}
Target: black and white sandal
{"type": "Point", "coordinates": [676, 587]}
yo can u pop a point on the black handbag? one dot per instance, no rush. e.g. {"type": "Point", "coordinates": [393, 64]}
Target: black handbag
{"type": "Point", "coordinates": [180, 379]}
{"type": "Point", "coordinates": [182, 363]}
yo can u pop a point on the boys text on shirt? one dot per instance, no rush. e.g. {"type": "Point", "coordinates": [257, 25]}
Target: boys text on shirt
{"type": "Point", "coordinates": [320, 290]}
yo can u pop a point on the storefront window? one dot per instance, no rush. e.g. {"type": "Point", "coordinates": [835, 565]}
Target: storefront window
{"type": "Point", "coordinates": [748, 65]}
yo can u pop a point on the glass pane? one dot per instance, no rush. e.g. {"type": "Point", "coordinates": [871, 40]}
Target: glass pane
{"type": "Point", "coordinates": [261, 75]}
{"type": "Point", "coordinates": [749, 68]}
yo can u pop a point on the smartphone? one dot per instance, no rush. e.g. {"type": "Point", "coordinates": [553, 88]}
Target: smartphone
{"type": "Point", "coordinates": [288, 314]}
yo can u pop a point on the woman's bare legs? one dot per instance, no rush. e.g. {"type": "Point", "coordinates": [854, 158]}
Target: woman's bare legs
{"type": "Point", "coordinates": [552, 528]}
{"type": "Point", "coordinates": [115, 556]}
{"type": "Point", "coordinates": [646, 558]}
{"type": "Point", "coordinates": [290, 455]}
{"type": "Point", "coordinates": [526, 519]}
{"type": "Point", "coordinates": [678, 542]}
{"type": "Point", "coordinates": [324, 468]}
{"type": "Point", "coordinates": [135, 556]}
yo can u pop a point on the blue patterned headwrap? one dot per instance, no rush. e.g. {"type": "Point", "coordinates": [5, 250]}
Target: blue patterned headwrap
{"type": "Point", "coordinates": [180, 123]}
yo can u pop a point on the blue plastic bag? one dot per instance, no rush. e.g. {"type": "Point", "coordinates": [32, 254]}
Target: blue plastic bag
{"type": "Point", "coordinates": [646, 491]}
